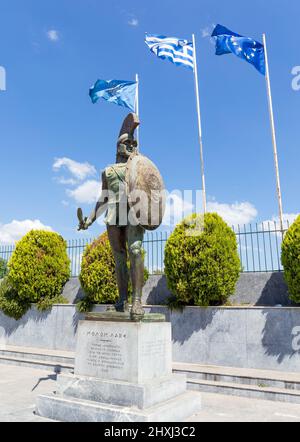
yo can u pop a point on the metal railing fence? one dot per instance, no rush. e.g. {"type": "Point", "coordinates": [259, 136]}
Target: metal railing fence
{"type": "Point", "coordinates": [259, 248]}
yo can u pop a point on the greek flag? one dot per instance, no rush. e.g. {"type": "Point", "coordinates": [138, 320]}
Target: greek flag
{"type": "Point", "coordinates": [178, 51]}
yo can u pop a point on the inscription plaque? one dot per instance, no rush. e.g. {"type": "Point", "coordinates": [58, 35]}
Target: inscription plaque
{"type": "Point", "coordinates": [131, 352]}
{"type": "Point", "coordinates": [106, 355]}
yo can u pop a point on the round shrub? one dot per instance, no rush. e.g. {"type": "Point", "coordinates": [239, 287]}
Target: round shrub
{"type": "Point", "coordinates": [3, 268]}
{"type": "Point", "coordinates": [98, 276]}
{"type": "Point", "coordinates": [290, 258]}
{"type": "Point", "coordinates": [202, 264]}
{"type": "Point", "coordinates": [10, 303]}
{"type": "Point", "coordinates": [39, 268]}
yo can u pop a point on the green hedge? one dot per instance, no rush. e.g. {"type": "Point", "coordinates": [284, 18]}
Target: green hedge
{"type": "Point", "coordinates": [3, 268]}
{"type": "Point", "coordinates": [38, 270]}
{"type": "Point", "coordinates": [202, 264]}
{"type": "Point", "coordinates": [97, 276]}
{"type": "Point", "coordinates": [290, 258]}
{"type": "Point", "coordinates": [10, 303]}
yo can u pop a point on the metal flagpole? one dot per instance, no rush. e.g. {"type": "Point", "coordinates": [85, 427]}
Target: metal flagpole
{"type": "Point", "coordinates": [273, 134]}
{"type": "Point", "coordinates": [199, 125]}
{"type": "Point", "coordinates": [137, 107]}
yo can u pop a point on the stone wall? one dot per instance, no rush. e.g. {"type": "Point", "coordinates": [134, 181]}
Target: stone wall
{"type": "Point", "coordinates": [256, 337]}
{"type": "Point", "coordinates": [259, 289]}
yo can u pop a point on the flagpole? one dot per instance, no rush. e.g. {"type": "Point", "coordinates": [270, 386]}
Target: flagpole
{"type": "Point", "coordinates": [137, 107]}
{"type": "Point", "coordinates": [199, 126]}
{"type": "Point", "coordinates": [271, 111]}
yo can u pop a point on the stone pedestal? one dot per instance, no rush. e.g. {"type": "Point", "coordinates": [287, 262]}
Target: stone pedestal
{"type": "Point", "coordinates": [123, 373]}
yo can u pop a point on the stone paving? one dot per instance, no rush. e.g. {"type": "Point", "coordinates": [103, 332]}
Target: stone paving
{"type": "Point", "coordinates": [19, 387]}
{"type": "Point", "coordinates": [223, 408]}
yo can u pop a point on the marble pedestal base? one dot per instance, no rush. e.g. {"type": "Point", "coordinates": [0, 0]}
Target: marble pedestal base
{"type": "Point", "coordinates": [123, 373]}
{"type": "Point", "coordinates": [67, 409]}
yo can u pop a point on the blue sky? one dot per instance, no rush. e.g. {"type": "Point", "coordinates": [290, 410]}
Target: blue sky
{"type": "Point", "coordinates": [54, 50]}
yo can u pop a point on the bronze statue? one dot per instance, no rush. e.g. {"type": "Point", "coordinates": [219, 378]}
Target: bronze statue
{"type": "Point", "coordinates": [134, 200]}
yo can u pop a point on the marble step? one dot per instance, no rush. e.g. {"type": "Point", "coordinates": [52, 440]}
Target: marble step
{"type": "Point", "coordinates": [53, 366]}
{"type": "Point", "coordinates": [33, 355]}
{"type": "Point", "coordinates": [240, 376]}
{"type": "Point", "coordinates": [116, 392]}
{"type": "Point", "coordinates": [65, 409]}
{"type": "Point", "coordinates": [229, 380]}
{"type": "Point", "coordinates": [243, 390]}
{"type": "Point", "coordinates": [30, 353]}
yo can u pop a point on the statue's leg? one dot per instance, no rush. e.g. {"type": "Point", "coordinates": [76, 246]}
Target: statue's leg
{"type": "Point", "coordinates": [135, 235]}
{"type": "Point", "coordinates": [117, 239]}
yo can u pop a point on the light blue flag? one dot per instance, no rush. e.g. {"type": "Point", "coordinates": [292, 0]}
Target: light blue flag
{"type": "Point", "coordinates": [119, 92]}
{"type": "Point", "coordinates": [178, 51]}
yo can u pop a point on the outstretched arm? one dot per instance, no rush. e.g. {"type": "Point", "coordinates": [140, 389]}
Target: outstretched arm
{"type": "Point", "coordinates": [101, 203]}
{"type": "Point", "coordinates": [99, 209]}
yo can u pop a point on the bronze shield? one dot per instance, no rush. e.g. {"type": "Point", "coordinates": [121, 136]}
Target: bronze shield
{"type": "Point", "coordinates": [146, 192]}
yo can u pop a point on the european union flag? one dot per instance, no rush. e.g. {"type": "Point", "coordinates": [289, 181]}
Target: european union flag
{"type": "Point", "coordinates": [228, 42]}
{"type": "Point", "coordinates": [119, 92]}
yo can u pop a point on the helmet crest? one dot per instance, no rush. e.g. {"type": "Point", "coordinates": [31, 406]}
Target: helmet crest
{"type": "Point", "coordinates": [127, 144]}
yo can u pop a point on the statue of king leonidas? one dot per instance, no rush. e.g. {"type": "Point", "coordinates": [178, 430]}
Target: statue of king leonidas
{"type": "Point", "coordinates": [133, 197]}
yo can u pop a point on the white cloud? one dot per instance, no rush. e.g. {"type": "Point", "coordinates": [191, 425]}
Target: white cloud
{"type": "Point", "coordinates": [66, 181]}
{"type": "Point", "coordinates": [233, 214]}
{"type": "Point", "coordinates": [176, 209]}
{"type": "Point", "coordinates": [9, 233]}
{"type": "Point", "coordinates": [53, 35]}
{"type": "Point", "coordinates": [206, 32]}
{"type": "Point", "coordinates": [86, 193]}
{"type": "Point", "coordinates": [288, 219]}
{"type": "Point", "coordinates": [133, 22]}
{"type": "Point", "coordinates": [80, 171]}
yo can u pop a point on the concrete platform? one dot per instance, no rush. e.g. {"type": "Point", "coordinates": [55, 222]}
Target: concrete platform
{"type": "Point", "coordinates": [19, 387]}
{"type": "Point", "coordinates": [221, 408]}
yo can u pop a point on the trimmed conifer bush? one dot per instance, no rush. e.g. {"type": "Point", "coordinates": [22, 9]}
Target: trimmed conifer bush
{"type": "Point", "coordinates": [97, 276]}
{"type": "Point", "coordinates": [38, 270]}
{"type": "Point", "coordinates": [10, 303]}
{"type": "Point", "coordinates": [290, 258]}
{"type": "Point", "coordinates": [202, 264]}
{"type": "Point", "coordinates": [3, 268]}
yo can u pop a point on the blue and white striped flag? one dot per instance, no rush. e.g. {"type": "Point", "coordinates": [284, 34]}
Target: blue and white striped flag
{"type": "Point", "coordinates": [178, 51]}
